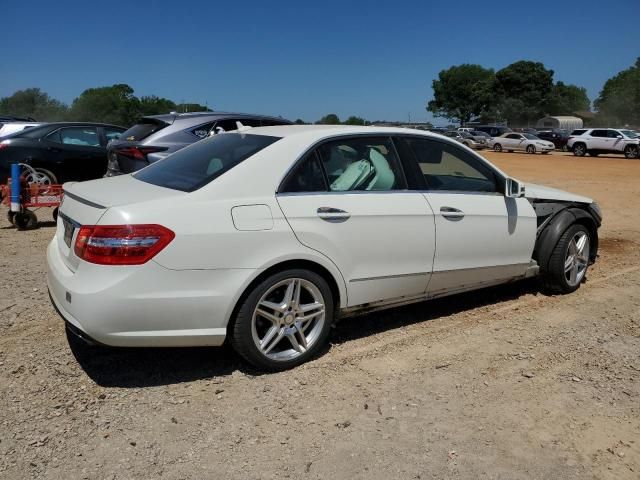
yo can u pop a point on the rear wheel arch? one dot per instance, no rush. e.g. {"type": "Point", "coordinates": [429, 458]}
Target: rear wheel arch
{"type": "Point", "coordinates": [289, 265]}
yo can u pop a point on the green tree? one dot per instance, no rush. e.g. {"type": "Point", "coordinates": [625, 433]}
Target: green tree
{"type": "Point", "coordinates": [462, 92]}
{"type": "Point", "coordinates": [523, 89]}
{"type": "Point", "coordinates": [330, 119]}
{"type": "Point", "coordinates": [352, 120]}
{"type": "Point", "coordinates": [299, 121]}
{"type": "Point", "coordinates": [153, 105]}
{"type": "Point", "coordinates": [33, 102]}
{"type": "Point", "coordinates": [619, 100]}
{"type": "Point", "coordinates": [566, 99]}
{"type": "Point", "coordinates": [115, 104]}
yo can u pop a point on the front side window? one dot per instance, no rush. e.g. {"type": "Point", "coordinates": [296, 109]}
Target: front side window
{"type": "Point", "coordinates": [447, 167]}
{"type": "Point", "coordinates": [196, 165]}
{"type": "Point", "coordinates": [361, 164]}
{"type": "Point", "coordinates": [613, 134]}
{"type": "Point", "coordinates": [112, 134]}
{"type": "Point", "coordinates": [514, 136]}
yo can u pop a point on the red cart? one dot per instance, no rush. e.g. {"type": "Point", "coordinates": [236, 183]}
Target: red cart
{"type": "Point", "coordinates": [32, 196]}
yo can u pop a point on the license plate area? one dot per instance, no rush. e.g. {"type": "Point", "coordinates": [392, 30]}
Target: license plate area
{"type": "Point", "coordinates": [68, 231]}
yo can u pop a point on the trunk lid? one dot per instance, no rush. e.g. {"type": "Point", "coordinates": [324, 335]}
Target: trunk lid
{"type": "Point", "coordinates": [85, 203]}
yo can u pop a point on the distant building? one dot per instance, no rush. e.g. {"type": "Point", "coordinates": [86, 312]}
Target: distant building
{"type": "Point", "coordinates": [561, 122]}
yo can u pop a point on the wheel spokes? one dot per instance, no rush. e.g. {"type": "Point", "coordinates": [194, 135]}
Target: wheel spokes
{"type": "Point", "coordinates": [268, 342]}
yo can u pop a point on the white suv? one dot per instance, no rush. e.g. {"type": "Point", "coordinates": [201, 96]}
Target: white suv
{"type": "Point", "coordinates": [595, 141]}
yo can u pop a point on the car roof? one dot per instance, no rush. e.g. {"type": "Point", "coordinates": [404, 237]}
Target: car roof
{"type": "Point", "coordinates": [320, 132]}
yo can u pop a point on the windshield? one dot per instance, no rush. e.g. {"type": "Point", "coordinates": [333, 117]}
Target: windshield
{"type": "Point", "coordinates": [193, 167]}
{"type": "Point", "coordinates": [630, 133]}
{"type": "Point", "coordinates": [530, 136]}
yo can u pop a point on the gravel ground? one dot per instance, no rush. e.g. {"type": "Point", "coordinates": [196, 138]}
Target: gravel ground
{"type": "Point", "coordinates": [501, 383]}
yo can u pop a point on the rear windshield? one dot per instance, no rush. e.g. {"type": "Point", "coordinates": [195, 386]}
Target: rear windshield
{"type": "Point", "coordinates": [143, 129]}
{"type": "Point", "coordinates": [196, 165]}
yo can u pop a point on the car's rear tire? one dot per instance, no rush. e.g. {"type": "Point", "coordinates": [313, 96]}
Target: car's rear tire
{"type": "Point", "coordinates": [284, 320]}
{"type": "Point", "coordinates": [579, 149]}
{"type": "Point", "coordinates": [632, 151]}
{"type": "Point", "coordinates": [569, 261]}
{"type": "Point", "coordinates": [531, 149]}
{"type": "Point", "coordinates": [497, 147]}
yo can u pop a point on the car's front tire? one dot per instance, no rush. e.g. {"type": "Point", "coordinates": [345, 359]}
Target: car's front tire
{"type": "Point", "coordinates": [569, 261]}
{"type": "Point", "coordinates": [497, 147]}
{"type": "Point", "coordinates": [531, 149]}
{"type": "Point", "coordinates": [284, 320]}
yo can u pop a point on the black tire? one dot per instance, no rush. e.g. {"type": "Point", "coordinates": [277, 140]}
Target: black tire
{"type": "Point", "coordinates": [553, 276]}
{"type": "Point", "coordinates": [241, 331]}
{"type": "Point", "coordinates": [632, 151]}
{"type": "Point", "coordinates": [497, 147]}
{"type": "Point", "coordinates": [25, 220]}
{"type": "Point", "coordinates": [579, 149]}
{"type": "Point", "coordinates": [531, 149]}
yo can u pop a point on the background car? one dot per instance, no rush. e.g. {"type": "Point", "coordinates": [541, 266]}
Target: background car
{"type": "Point", "coordinates": [493, 130]}
{"type": "Point", "coordinates": [530, 130]}
{"type": "Point", "coordinates": [520, 141]}
{"type": "Point", "coordinates": [258, 237]}
{"type": "Point", "coordinates": [10, 128]}
{"type": "Point", "coordinates": [558, 137]}
{"type": "Point", "coordinates": [464, 137]}
{"type": "Point", "coordinates": [596, 141]}
{"type": "Point", "coordinates": [60, 152]}
{"type": "Point", "coordinates": [155, 137]}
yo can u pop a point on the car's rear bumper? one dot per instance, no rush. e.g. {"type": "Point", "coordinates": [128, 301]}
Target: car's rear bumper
{"type": "Point", "coordinates": [146, 305]}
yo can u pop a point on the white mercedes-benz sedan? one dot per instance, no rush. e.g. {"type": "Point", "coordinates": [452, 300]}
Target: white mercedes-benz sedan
{"type": "Point", "coordinates": [525, 142]}
{"type": "Point", "coordinates": [265, 236]}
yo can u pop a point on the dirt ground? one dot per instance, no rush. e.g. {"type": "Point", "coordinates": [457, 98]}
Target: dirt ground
{"type": "Point", "coordinates": [504, 383]}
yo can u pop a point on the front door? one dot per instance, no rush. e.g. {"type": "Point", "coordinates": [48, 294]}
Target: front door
{"type": "Point", "coordinates": [348, 200]}
{"type": "Point", "coordinates": [482, 237]}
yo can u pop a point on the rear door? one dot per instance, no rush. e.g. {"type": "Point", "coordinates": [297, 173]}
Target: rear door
{"type": "Point", "coordinates": [80, 155]}
{"type": "Point", "coordinates": [600, 140]}
{"type": "Point", "coordinates": [348, 200]}
{"type": "Point", "coordinates": [482, 237]}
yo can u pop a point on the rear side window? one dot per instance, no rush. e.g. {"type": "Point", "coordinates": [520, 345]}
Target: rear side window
{"type": "Point", "coordinates": [363, 163]}
{"type": "Point", "coordinates": [143, 129]}
{"type": "Point", "coordinates": [193, 167]}
{"type": "Point", "coordinates": [599, 133]}
{"type": "Point", "coordinates": [306, 176]}
{"type": "Point", "coordinates": [79, 136]}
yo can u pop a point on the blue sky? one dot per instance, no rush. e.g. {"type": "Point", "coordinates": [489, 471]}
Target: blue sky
{"type": "Point", "coordinates": [305, 59]}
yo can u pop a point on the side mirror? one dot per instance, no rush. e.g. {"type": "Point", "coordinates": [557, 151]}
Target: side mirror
{"type": "Point", "coordinates": [618, 136]}
{"type": "Point", "coordinates": [513, 188]}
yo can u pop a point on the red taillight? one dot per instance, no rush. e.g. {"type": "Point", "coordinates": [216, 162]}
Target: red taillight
{"type": "Point", "coordinates": [121, 244]}
{"type": "Point", "coordinates": [4, 145]}
{"type": "Point", "coordinates": [139, 153]}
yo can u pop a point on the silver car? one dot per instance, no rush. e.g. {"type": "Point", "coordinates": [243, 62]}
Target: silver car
{"type": "Point", "coordinates": [155, 137]}
{"type": "Point", "coordinates": [476, 143]}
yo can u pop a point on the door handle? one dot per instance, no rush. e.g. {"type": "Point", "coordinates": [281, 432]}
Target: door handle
{"type": "Point", "coordinates": [451, 213]}
{"type": "Point", "coordinates": [331, 214]}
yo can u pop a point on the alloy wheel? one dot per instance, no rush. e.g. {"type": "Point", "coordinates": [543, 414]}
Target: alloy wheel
{"type": "Point", "coordinates": [631, 151]}
{"type": "Point", "coordinates": [288, 319]}
{"type": "Point", "coordinates": [577, 258]}
{"type": "Point", "coordinates": [579, 150]}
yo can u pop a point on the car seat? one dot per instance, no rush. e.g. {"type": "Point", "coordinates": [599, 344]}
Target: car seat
{"type": "Point", "coordinates": [384, 177]}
